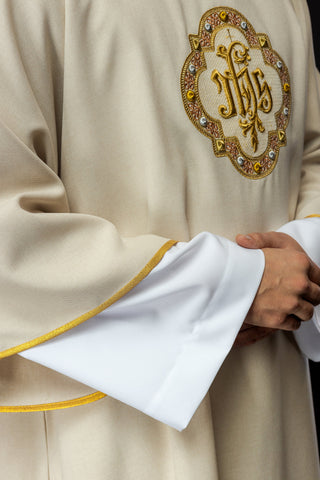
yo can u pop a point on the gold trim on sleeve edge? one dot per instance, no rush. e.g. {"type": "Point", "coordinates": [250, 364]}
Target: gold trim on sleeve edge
{"type": "Point", "coordinates": [93, 397]}
{"type": "Point", "coordinates": [312, 216]}
{"type": "Point", "coordinates": [86, 316]}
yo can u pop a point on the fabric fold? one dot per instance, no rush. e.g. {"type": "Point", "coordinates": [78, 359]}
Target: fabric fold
{"type": "Point", "coordinates": [59, 266]}
{"type": "Point", "coordinates": [160, 347]}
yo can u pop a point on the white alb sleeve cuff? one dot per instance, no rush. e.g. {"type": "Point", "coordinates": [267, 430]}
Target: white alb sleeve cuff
{"type": "Point", "coordinates": [307, 233]}
{"type": "Point", "coordinates": [160, 346]}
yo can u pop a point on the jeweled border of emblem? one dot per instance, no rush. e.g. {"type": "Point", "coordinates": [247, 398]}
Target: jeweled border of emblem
{"type": "Point", "coordinates": [211, 22]}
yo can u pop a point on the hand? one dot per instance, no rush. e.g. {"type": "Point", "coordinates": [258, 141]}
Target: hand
{"type": "Point", "coordinates": [277, 240]}
{"type": "Point", "coordinates": [290, 284]}
{"type": "Point", "coordinates": [268, 240]}
{"type": "Point", "coordinates": [250, 334]}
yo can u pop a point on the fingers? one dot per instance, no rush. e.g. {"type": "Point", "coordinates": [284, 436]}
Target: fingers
{"type": "Point", "coordinates": [247, 241]}
{"type": "Point", "coordinates": [291, 323]}
{"type": "Point", "coordinates": [278, 240]}
{"type": "Point", "coordinates": [312, 294]}
{"type": "Point", "coordinates": [297, 308]}
{"type": "Point", "coordinates": [289, 288]}
{"type": "Point", "coordinates": [262, 240]}
{"type": "Point", "coordinates": [251, 335]}
{"type": "Point", "coordinates": [268, 240]}
{"type": "Point", "coordinates": [279, 321]}
{"type": "Point", "coordinates": [304, 311]}
{"type": "Point", "coordinates": [314, 273]}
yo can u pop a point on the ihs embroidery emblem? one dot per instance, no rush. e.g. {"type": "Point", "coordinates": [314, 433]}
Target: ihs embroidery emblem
{"type": "Point", "coordinates": [236, 91]}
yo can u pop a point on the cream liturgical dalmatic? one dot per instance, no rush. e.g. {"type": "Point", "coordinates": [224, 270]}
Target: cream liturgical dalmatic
{"type": "Point", "coordinates": [126, 127]}
{"type": "Point", "coordinates": [236, 91]}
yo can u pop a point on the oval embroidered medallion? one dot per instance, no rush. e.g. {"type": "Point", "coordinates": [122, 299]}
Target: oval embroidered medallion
{"type": "Point", "coordinates": [236, 91]}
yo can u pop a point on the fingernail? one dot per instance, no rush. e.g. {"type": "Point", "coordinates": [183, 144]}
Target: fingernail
{"type": "Point", "coordinates": [245, 236]}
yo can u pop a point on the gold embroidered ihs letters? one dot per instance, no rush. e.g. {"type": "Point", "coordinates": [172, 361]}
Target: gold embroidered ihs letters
{"type": "Point", "coordinates": [249, 101]}
{"type": "Point", "coordinates": [232, 95]}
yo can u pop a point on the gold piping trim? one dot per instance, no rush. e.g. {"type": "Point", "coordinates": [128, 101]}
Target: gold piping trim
{"type": "Point", "coordinates": [54, 406]}
{"type": "Point", "coordinates": [312, 216]}
{"type": "Point", "coordinates": [86, 316]}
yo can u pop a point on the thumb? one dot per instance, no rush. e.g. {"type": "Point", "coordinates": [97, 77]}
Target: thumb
{"type": "Point", "coordinates": [249, 241]}
{"type": "Point", "coordinates": [263, 240]}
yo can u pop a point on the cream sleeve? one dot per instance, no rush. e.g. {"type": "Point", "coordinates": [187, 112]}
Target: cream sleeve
{"type": "Point", "coordinates": [160, 347]}
{"type": "Point", "coordinates": [58, 268]}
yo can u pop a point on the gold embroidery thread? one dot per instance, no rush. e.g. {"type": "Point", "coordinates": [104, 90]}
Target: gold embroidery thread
{"type": "Point", "coordinates": [232, 95]}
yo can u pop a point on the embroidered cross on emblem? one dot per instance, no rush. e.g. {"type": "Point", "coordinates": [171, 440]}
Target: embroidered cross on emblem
{"type": "Point", "coordinates": [236, 91]}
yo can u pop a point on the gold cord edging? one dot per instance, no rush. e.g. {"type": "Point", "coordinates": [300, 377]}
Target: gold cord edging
{"type": "Point", "coordinates": [93, 397]}
{"type": "Point", "coordinates": [86, 316]}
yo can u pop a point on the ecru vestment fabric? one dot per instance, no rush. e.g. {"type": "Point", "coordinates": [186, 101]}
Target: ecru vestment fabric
{"type": "Point", "coordinates": [182, 330]}
{"type": "Point", "coordinates": [109, 149]}
{"type": "Point", "coordinates": [174, 359]}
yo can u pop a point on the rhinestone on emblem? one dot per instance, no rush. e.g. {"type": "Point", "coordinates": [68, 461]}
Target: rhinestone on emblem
{"type": "Point", "coordinates": [203, 122]}
{"type": "Point", "coordinates": [244, 25]}
{"type": "Point", "coordinates": [208, 27]}
{"type": "Point", "coordinates": [272, 155]}
{"type": "Point", "coordinates": [240, 161]}
{"type": "Point", "coordinates": [279, 65]}
{"type": "Point", "coordinates": [192, 69]}
{"type": "Point", "coordinates": [286, 111]}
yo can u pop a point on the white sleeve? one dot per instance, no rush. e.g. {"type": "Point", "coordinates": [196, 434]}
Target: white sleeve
{"type": "Point", "coordinates": [307, 233]}
{"type": "Point", "coordinates": [160, 346]}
